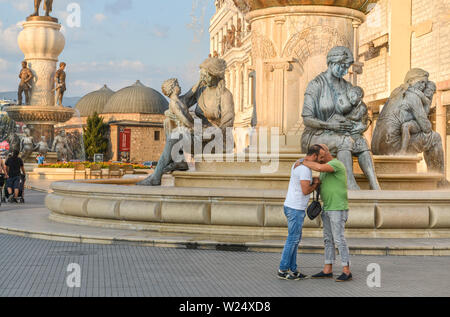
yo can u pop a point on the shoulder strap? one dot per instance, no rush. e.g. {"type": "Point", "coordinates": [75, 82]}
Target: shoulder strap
{"type": "Point", "coordinates": [318, 193]}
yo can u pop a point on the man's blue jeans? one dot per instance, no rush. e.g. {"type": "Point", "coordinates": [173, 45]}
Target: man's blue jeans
{"type": "Point", "coordinates": [295, 220]}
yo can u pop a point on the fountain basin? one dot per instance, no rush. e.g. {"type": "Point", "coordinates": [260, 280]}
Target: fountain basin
{"type": "Point", "coordinates": [40, 114]}
{"type": "Point", "coordinates": [239, 211]}
{"type": "Point", "coordinates": [40, 119]}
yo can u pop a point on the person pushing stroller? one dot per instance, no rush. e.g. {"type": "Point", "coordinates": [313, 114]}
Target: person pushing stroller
{"type": "Point", "coordinates": [15, 173]}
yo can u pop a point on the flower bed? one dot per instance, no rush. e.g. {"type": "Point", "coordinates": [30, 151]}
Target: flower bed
{"type": "Point", "coordinates": [104, 165]}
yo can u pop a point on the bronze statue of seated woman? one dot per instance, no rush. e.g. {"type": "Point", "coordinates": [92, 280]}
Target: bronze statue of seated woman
{"type": "Point", "coordinates": [215, 110]}
{"type": "Point", "coordinates": [327, 98]}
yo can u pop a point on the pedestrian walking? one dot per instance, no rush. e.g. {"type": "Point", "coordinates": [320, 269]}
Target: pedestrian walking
{"type": "Point", "coordinates": [14, 167]}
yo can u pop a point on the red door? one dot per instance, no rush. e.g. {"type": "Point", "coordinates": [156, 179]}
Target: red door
{"type": "Point", "coordinates": [124, 144]}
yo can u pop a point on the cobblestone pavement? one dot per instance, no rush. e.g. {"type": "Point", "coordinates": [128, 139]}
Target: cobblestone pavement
{"type": "Point", "coordinates": [30, 267]}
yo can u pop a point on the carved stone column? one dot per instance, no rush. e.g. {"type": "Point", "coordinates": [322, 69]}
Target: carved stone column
{"type": "Point", "coordinates": [41, 42]}
{"type": "Point", "coordinates": [279, 68]}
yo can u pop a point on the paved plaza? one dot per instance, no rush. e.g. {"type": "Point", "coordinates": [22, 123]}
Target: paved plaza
{"type": "Point", "coordinates": [32, 267]}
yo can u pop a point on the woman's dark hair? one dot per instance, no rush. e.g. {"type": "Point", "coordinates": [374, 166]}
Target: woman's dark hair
{"type": "Point", "coordinates": [314, 149]}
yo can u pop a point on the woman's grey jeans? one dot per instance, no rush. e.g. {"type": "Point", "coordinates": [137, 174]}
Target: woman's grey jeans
{"type": "Point", "coordinates": [333, 235]}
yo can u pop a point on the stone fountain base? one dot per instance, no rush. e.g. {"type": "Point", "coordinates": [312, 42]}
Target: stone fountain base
{"type": "Point", "coordinates": [40, 119]}
{"type": "Point", "coordinates": [393, 172]}
{"type": "Point", "coordinates": [240, 211]}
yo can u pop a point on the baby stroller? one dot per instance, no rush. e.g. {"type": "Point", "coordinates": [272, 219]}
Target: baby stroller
{"type": "Point", "coordinates": [2, 184]}
{"type": "Point", "coordinates": [21, 198]}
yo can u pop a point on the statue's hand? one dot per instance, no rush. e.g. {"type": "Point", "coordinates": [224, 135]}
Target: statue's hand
{"type": "Point", "coordinates": [199, 84]}
{"type": "Point", "coordinates": [340, 127]}
{"type": "Point", "coordinates": [359, 128]}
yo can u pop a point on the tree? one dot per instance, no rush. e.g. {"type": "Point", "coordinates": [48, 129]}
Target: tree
{"type": "Point", "coordinates": [7, 127]}
{"type": "Point", "coordinates": [95, 136]}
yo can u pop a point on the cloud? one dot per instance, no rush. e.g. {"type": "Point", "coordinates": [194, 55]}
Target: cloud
{"type": "Point", "coordinates": [3, 65]}
{"type": "Point", "coordinates": [118, 6]}
{"type": "Point", "coordinates": [8, 37]}
{"type": "Point", "coordinates": [21, 5]}
{"type": "Point", "coordinates": [160, 31]}
{"type": "Point", "coordinates": [99, 17]}
{"type": "Point", "coordinates": [83, 85]}
{"type": "Point", "coordinates": [108, 66]}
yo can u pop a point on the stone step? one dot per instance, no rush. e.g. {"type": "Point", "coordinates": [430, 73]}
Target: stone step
{"type": "Point", "coordinates": [251, 180]}
{"type": "Point", "coordinates": [282, 163]}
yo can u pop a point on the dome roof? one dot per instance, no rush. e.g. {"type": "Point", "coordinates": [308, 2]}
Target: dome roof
{"type": "Point", "coordinates": [361, 5]}
{"type": "Point", "coordinates": [137, 99]}
{"type": "Point", "coordinates": [94, 102]}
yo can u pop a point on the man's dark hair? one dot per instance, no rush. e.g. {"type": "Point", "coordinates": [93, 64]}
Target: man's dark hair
{"type": "Point", "coordinates": [315, 149]}
{"type": "Point", "coordinates": [15, 154]}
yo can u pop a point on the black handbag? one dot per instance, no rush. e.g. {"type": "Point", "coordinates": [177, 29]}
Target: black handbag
{"type": "Point", "coordinates": [315, 208]}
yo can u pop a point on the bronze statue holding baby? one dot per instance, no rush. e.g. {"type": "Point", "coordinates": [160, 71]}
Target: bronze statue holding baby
{"type": "Point", "coordinates": [334, 114]}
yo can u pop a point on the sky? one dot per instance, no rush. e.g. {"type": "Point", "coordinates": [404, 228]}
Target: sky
{"type": "Point", "coordinates": [117, 41]}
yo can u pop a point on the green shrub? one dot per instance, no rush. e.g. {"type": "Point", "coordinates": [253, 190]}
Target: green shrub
{"type": "Point", "coordinates": [95, 136]}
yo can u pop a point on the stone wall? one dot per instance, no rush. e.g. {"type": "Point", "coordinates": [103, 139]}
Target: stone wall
{"type": "Point", "coordinates": [430, 51]}
{"type": "Point", "coordinates": [430, 35]}
{"type": "Point", "coordinates": [377, 23]}
{"type": "Point", "coordinates": [144, 147]}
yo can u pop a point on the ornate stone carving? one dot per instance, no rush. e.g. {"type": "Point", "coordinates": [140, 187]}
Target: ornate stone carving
{"type": "Point", "coordinates": [283, 64]}
{"type": "Point", "coordinates": [239, 33]}
{"type": "Point", "coordinates": [250, 5]}
{"type": "Point", "coordinates": [39, 114]}
{"type": "Point", "coordinates": [313, 41]}
{"type": "Point", "coordinates": [262, 47]}
{"type": "Point", "coordinates": [43, 82]}
{"type": "Point", "coordinates": [374, 51]}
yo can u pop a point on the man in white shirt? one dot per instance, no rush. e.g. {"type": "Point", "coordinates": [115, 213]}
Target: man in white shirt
{"type": "Point", "coordinates": [301, 186]}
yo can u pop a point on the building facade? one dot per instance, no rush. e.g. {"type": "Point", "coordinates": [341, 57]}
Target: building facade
{"type": "Point", "coordinates": [135, 116]}
{"type": "Point", "coordinates": [230, 36]}
{"type": "Point", "coordinates": [404, 34]}
{"type": "Point", "coordinates": [285, 47]}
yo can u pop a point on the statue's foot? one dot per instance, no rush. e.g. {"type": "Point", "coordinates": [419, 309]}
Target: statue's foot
{"type": "Point", "coordinates": [149, 181]}
{"type": "Point", "coordinates": [353, 187]}
{"type": "Point", "coordinates": [376, 187]}
{"type": "Point", "coordinates": [182, 166]}
{"type": "Point", "coordinates": [169, 168]}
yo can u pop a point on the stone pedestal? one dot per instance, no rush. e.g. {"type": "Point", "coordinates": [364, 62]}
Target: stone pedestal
{"type": "Point", "coordinates": [273, 172]}
{"type": "Point", "coordinates": [41, 42]}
